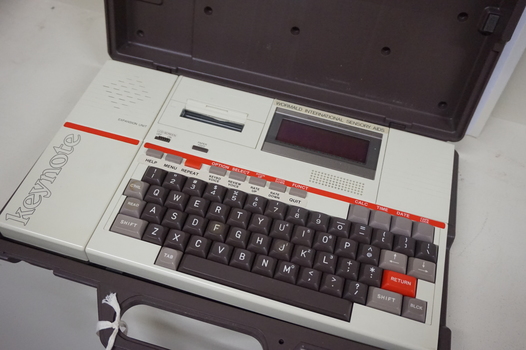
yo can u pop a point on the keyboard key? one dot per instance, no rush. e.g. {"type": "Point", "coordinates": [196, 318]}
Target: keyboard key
{"type": "Point", "coordinates": [214, 192]}
{"type": "Point", "coordinates": [195, 225]}
{"type": "Point", "coordinates": [339, 227]}
{"type": "Point", "coordinates": [325, 262]}
{"type": "Point", "coordinates": [368, 254]}
{"type": "Point", "coordinates": [423, 232]}
{"type": "Point", "coordinates": [132, 207]}
{"type": "Point", "coordinates": [129, 226]}
{"type": "Point", "coordinates": [255, 204]}
{"type": "Point", "coordinates": [318, 221]}
{"type": "Point", "coordinates": [286, 272]}
{"type": "Point", "coordinates": [401, 226]}
{"type": "Point", "coordinates": [380, 220]}
{"type": "Point", "coordinates": [361, 233]}
{"type": "Point", "coordinates": [153, 213]}
{"type": "Point", "coordinates": [348, 269]}
{"type": "Point", "coordinates": [303, 236]}
{"type": "Point", "coordinates": [235, 198]}
{"type": "Point", "coordinates": [259, 223]}
{"type": "Point", "coordinates": [346, 248]}
{"type": "Point", "coordinates": [276, 210]}
{"type": "Point", "coordinates": [309, 278]}
{"type": "Point", "coordinates": [281, 229]}
{"type": "Point", "coordinates": [426, 251]}
{"type": "Point", "coordinates": [216, 231]}
{"type": "Point", "coordinates": [324, 242]}
{"type": "Point", "coordinates": [297, 215]}
{"type": "Point", "coordinates": [220, 252]}
{"type": "Point", "coordinates": [174, 219]}
{"type": "Point", "coordinates": [393, 261]}
{"type": "Point", "coordinates": [259, 243]}
{"type": "Point", "coordinates": [198, 246]}
{"type": "Point", "coordinates": [359, 214]}
{"type": "Point", "coordinates": [174, 182]}
{"type": "Point", "coordinates": [281, 250]}
{"type": "Point", "coordinates": [267, 287]}
{"type": "Point", "coordinates": [197, 206]}
{"type": "Point", "coordinates": [154, 176]}
{"type": "Point", "coordinates": [421, 269]}
{"type": "Point", "coordinates": [237, 237]}
{"type": "Point", "coordinates": [168, 258]}
{"type": "Point", "coordinates": [177, 239]}
{"type": "Point", "coordinates": [136, 189]}
{"type": "Point", "coordinates": [242, 259]}
{"type": "Point", "coordinates": [194, 187]}
{"type": "Point", "coordinates": [156, 195]}
{"type": "Point", "coordinates": [370, 275]}
{"type": "Point", "coordinates": [303, 256]}
{"type": "Point", "coordinates": [238, 218]}
{"type": "Point", "coordinates": [218, 212]}
{"type": "Point", "coordinates": [399, 283]}
{"type": "Point", "coordinates": [332, 285]}
{"type": "Point", "coordinates": [264, 265]}
{"type": "Point", "coordinates": [404, 245]}
{"type": "Point", "coordinates": [414, 309]}
{"type": "Point", "coordinates": [385, 300]}
{"type": "Point", "coordinates": [355, 292]}
{"type": "Point", "coordinates": [176, 200]}
{"type": "Point", "coordinates": [155, 234]}
{"type": "Point", "coordinates": [382, 239]}
{"type": "Point", "coordinates": [234, 175]}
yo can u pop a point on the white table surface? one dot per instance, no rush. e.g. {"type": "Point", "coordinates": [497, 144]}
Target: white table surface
{"type": "Point", "coordinates": [52, 49]}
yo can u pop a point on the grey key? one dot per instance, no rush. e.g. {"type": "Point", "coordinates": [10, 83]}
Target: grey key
{"type": "Point", "coordinates": [234, 175]}
{"type": "Point", "coordinates": [296, 192]}
{"type": "Point", "coordinates": [385, 300]}
{"type": "Point", "coordinates": [256, 181]}
{"type": "Point", "coordinates": [132, 207]}
{"type": "Point", "coordinates": [169, 258]}
{"type": "Point", "coordinates": [359, 214]}
{"type": "Point", "coordinates": [380, 220]}
{"type": "Point", "coordinates": [423, 232]}
{"type": "Point", "coordinates": [217, 171]}
{"type": "Point", "coordinates": [393, 261]}
{"type": "Point", "coordinates": [421, 269]}
{"type": "Point", "coordinates": [172, 158]}
{"type": "Point", "coordinates": [129, 226]}
{"type": "Point", "coordinates": [154, 153]}
{"type": "Point", "coordinates": [136, 189]}
{"type": "Point", "coordinates": [401, 226]}
{"type": "Point", "coordinates": [414, 309]}
{"type": "Point", "coordinates": [274, 186]}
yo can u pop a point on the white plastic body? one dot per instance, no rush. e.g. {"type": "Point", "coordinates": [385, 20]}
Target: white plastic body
{"type": "Point", "coordinates": [413, 176]}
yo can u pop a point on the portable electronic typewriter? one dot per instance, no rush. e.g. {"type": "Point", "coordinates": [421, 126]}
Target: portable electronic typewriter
{"type": "Point", "coordinates": [252, 168]}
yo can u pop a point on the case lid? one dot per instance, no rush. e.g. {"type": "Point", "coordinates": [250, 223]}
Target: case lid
{"type": "Point", "coordinates": [415, 65]}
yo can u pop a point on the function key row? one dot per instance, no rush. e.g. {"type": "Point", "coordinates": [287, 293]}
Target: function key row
{"type": "Point", "coordinates": [234, 175]}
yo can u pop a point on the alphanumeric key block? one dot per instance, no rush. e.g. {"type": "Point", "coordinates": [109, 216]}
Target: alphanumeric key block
{"type": "Point", "coordinates": [371, 275]}
{"type": "Point", "coordinates": [220, 252]}
{"type": "Point", "coordinates": [155, 234]}
{"type": "Point", "coordinates": [309, 278]}
{"type": "Point", "coordinates": [154, 176]}
{"type": "Point", "coordinates": [286, 272]}
{"type": "Point", "coordinates": [355, 292]}
{"type": "Point", "coordinates": [198, 246]}
{"type": "Point", "coordinates": [303, 256]}
{"type": "Point", "coordinates": [264, 265]}
{"type": "Point", "coordinates": [242, 259]}
{"type": "Point", "coordinates": [276, 210]}
{"type": "Point", "coordinates": [177, 239]}
{"type": "Point", "coordinates": [332, 285]}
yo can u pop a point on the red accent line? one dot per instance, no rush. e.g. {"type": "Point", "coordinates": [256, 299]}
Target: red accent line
{"type": "Point", "coordinates": [324, 193]}
{"type": "Point", "coordinates": [97, 132]}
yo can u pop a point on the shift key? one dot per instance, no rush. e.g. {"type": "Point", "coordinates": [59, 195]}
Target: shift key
{"type": "Point", "coordinates": [385, 300]}
{"type": "Point", "coordinates": [129, 226]}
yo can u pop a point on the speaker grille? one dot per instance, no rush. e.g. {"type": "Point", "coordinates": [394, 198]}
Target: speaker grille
{"type": "Point", "coordinates": [337, 182]}
{"type": "Point", "coordinates": [126, 92]}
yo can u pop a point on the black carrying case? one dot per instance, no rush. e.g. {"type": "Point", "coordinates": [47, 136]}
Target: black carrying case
{"type": "Point", "coordinates": [414, 65]}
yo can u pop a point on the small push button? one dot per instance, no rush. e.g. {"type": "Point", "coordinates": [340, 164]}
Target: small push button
{"type": "Point", "coordinates": [193, 164]}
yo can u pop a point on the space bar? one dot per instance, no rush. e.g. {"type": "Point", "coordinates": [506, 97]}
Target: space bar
{"type": "Point", "coordinates": [267, 287]}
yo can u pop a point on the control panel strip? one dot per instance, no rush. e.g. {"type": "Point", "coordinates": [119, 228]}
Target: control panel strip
{"type": "Point", "coordinates": [196, 162]}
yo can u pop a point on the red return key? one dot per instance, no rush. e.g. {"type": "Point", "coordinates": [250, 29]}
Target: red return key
{"type": "Point", "coordinates": [399, 283]}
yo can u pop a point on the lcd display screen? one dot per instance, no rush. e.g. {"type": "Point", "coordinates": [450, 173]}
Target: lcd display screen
{"type": "Point", "coordinates": [323, 141]}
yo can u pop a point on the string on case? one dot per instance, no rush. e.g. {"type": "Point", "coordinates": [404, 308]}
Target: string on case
{"type": "Point", "coordinates": [117, 324]}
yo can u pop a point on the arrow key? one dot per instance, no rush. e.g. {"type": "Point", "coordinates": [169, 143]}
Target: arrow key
{"type": "Point", "coordinates": [421, 269]}
{"type": "Point", "coordinates": [393, 261]}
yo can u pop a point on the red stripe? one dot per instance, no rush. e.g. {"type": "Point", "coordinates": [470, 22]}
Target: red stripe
{"type": "Point", "coordinates": [98, 132]}
{"type": "Point", "coordinates": [300, 186]}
